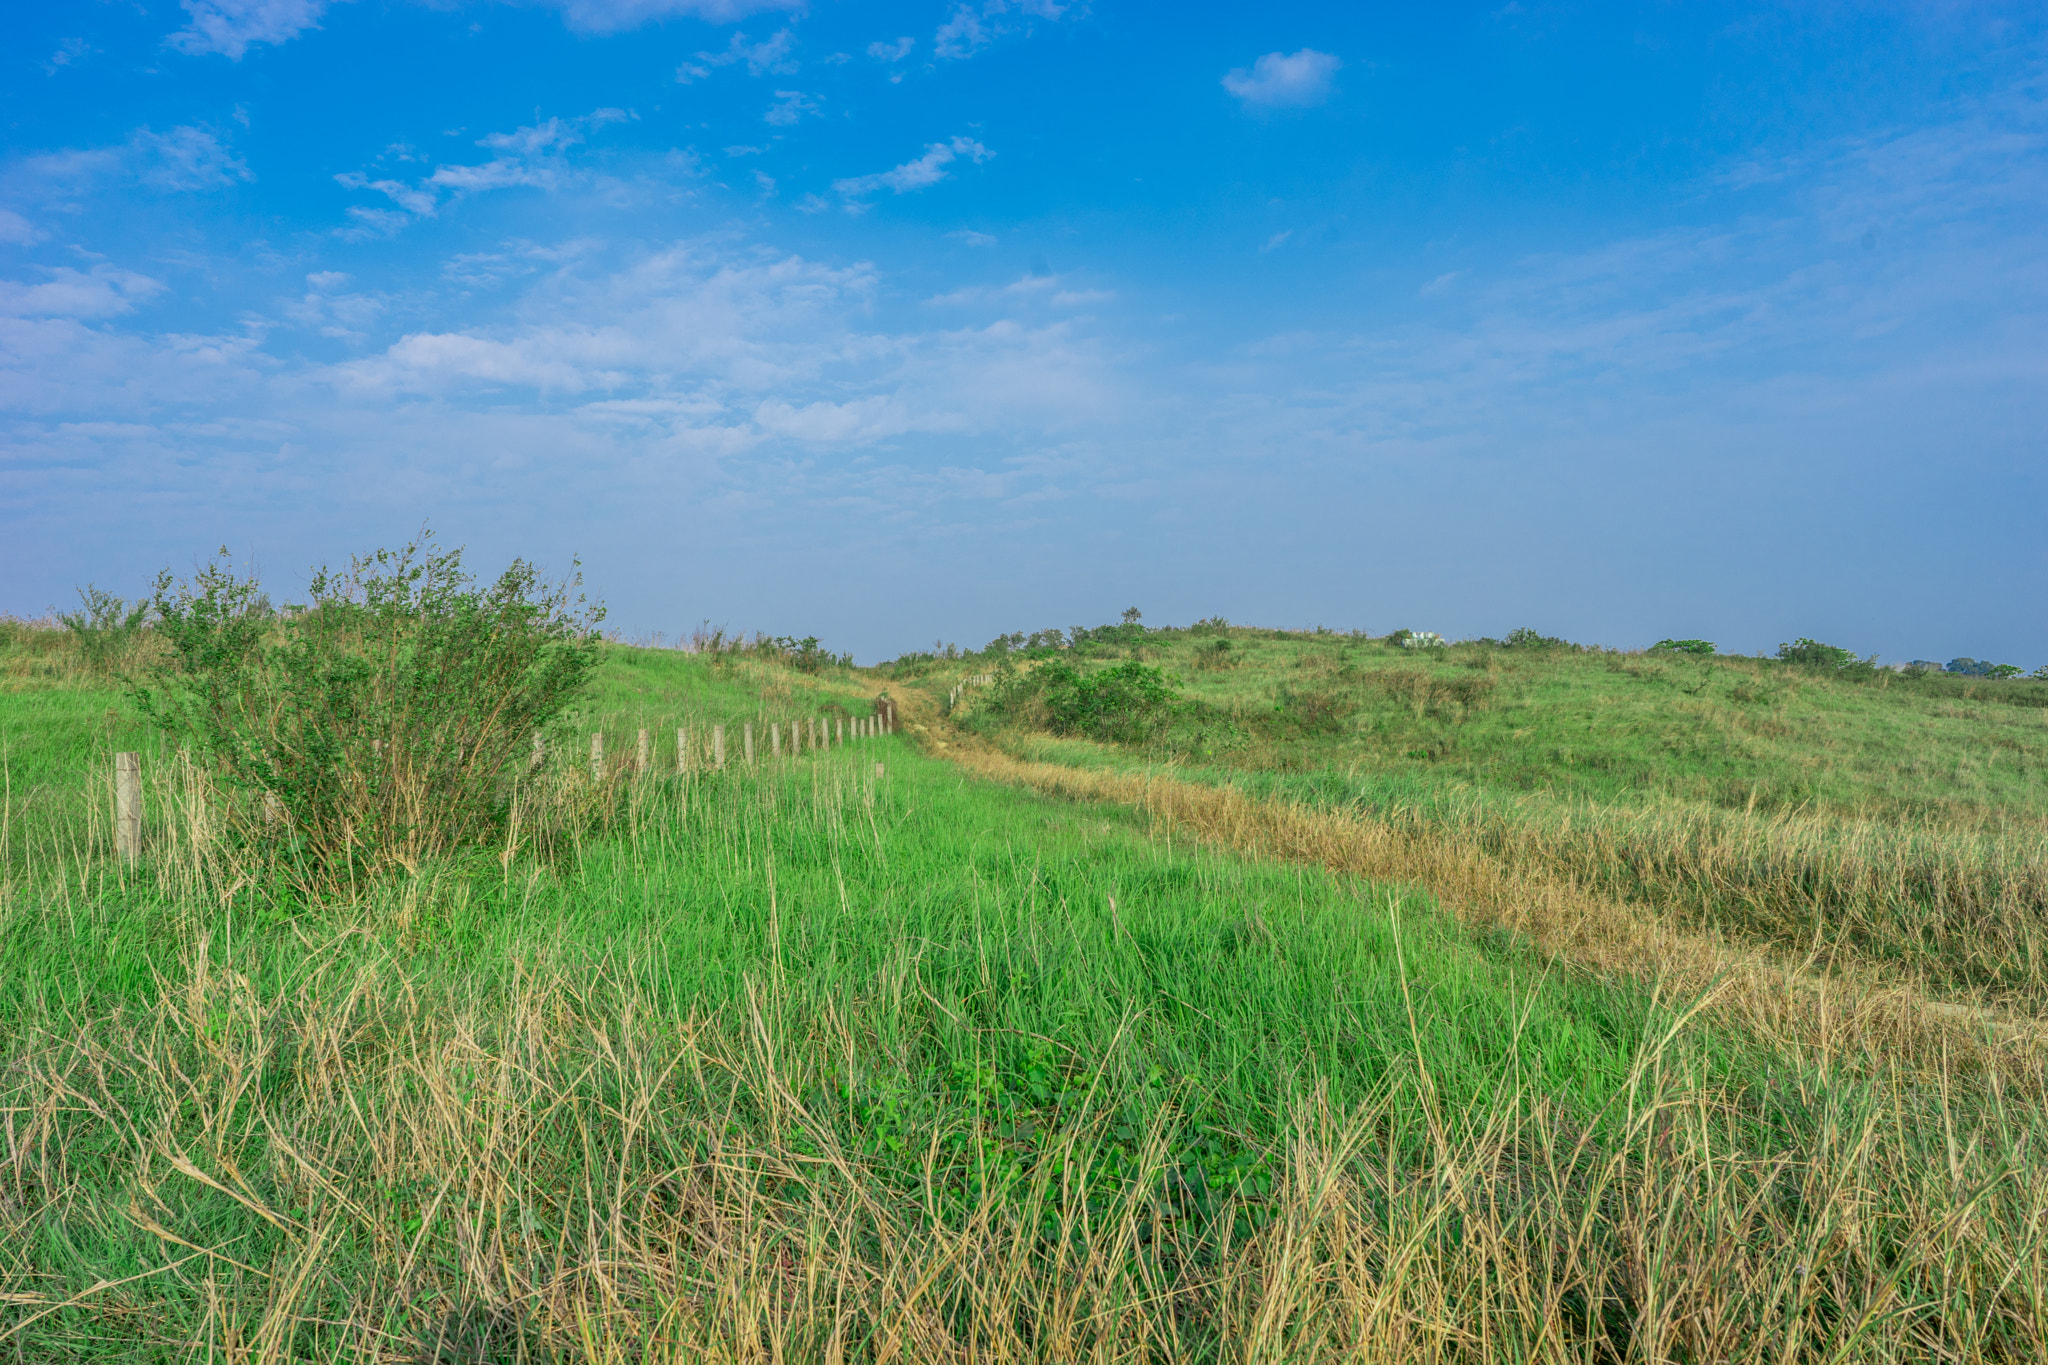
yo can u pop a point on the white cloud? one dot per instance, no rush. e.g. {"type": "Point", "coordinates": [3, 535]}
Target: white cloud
{"type": "Point", "coordinates": [529, 156]}
{"type": "Point", "coordinates": [70, 52]}
{"type": "Point", "coordinates": [892, 52]}
{"type": "Point", "coordinates": [330, 309]}
{"type": "Point", "coordinates": [614, 16]}
{"type": "Point", "coordinates": [972, 238]}
{"type": "Point", "coordinates": [859, 422]}
{"type": "Point", "coordinates": [765, 182]}
{"type": "Point", "coordinates": [770, 54]}
{"type": "Point", "coordinates": [1043, 288]}
{"type": "Point", "coordinates": [1278, 79]}
{"type": "Point", "coordinates": [789, 106]}
{"type": "Point", "coordinates": [185, 158]}
{"type": "Point", "coordinates": [232, 27]}
{"type": "Point", "coordinates": [968, 30]}
{"type": "Point", "coordinates": [373, 223]}
{"type": "Point", "coordinates": [1276, 241]}
{"type": "Point", "coordinates": [962, 35]}
{"type": "Point", "coordinates": [928, 169]}
{"type": "Point", "coordinates": [15, 229]}
{"type": "Point", "coordinates": [408, 197]}
{"type": "Point", "coordinates": [107, 291]}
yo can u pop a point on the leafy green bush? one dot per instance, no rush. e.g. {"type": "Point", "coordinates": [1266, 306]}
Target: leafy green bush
{"type": "Point", "coordinates": [1982, 668]}
{"type": "Point", "coordinates": [107, 629]}
{"type": "Point", "coordinates": [1525, 638]}
{"type": "Point", "coordinates": [807, 655]}
{"type": "Point", "coordinates": [1703, 647]}
{"type": "Point", "coordinates": [1814, 654]}
{"type": "Point", "coordinates": [1122, 703]}
{"type": "Point", "coordinates": [379, 725]}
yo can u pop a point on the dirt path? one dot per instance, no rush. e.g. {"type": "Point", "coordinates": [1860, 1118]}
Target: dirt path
{"type": "Point", "coordinates": [1825, 1017]}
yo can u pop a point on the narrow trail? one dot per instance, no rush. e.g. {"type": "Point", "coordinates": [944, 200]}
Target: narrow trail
{"type": "Point", "coordinates": [1830, 1018]}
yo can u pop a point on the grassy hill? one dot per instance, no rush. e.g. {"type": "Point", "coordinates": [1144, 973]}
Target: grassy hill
{"type": "Point", "coordinates": [852, 1054]}
{"type": "Point", "coordinates": [1900, 822]}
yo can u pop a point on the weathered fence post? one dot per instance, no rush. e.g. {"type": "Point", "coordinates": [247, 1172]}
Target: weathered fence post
{"type": "Point", "coordinates": [796, 738]}
{"type": "Point", "coordinates": [597, 755]}
{"type": "Point", "coordinates": [128, 806]}
{"type": "Point", "coordinates": [540, 753]}
{"type": "Point", "coordinates": [747, 733]}
{"type": "Point", "coordinates": [775, 738]}
{"type": "Point", "coordinates": [643, 756]}
{"type": "Point", "coordinates": [682, 750]}
{"type": "Point", "coordinates": [718, 746]}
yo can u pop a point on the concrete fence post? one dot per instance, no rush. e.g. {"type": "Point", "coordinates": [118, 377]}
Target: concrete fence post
{"type": "Point", "coordinates": [747, 733]}
{"type": "Point", "coordinates": [682, 750]}
{"type": "Point", "coordinates": [775, 738]}
{"type": "Point", "coordinates": [643, 754]}
{"type": "Point", "coordinates": [128, 806]}
{"type": "Point", "coordinates": [540, 753]}
{"type": "Point", "coordinates": [597, 755]}
{"type": "Point", "coordinates": [718, 746]}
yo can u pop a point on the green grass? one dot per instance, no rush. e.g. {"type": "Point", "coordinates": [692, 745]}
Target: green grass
{"type": "Point", "coordinates": [812, 1062]}
{"type": "Point", "coordinates": [1617, 729]}
{"type": "Point", "coordinates": [1899, 822]}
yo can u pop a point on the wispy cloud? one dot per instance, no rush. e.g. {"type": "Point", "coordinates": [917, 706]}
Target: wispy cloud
{"type": "Point", "coordinates": [892, 52]}
{"type": "Point", "coordinates": [615, 16]}
{"type": "Point", "coordinates": [789, 106]}
{"type": "Point", "coordinates": [232, 27]}
{"type": "Point", "coordinates": [70, 52]}
{"type": "Point", "coordinates": [1283, 79]}
{"type": "Point", "coordinates": [963, 34]}
{"type": "Point", "coordinates": [530, 156]}
{"type": "Point", "coordinates": [185, 158]}
{"type": "Point", "coordinates": [103, 292]}
{"type": "Point", "coordinates": [928, 169]}
{"type": "Point", "coordinates": [968, 29]}
{"type": "Point", "coordinates": [769, 55]}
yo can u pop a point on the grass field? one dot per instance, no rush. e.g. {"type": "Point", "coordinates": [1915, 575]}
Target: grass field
{"type": "Point", "coordinates": [811, 1061]}
{"type": "Point", "coordinates": [1898, 824]}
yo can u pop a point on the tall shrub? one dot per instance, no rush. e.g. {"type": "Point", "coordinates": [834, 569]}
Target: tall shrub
{"type": "Point", "coordinates": [381, 723]}
{"type": "Point", "coordinates": [107, 629]}
{"type": "Point", "coordinates": [1124, 702]}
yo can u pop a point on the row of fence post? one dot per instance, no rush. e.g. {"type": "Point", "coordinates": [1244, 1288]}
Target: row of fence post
{"type": "Point", "coordinates": [960, 688]}
{"type": "Point", "coordinates": [825, 733]}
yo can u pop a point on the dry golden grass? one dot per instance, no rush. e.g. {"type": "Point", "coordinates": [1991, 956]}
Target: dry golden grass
{"type": "Point", "coordinates": [373, 1167]}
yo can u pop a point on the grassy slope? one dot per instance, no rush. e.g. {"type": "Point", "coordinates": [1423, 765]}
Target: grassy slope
{"type": "Point", "coordinates": [1899, 822]}
{"type": "Point", "coordinates": [918, 1031]}
{"type": "Point", "coordinates": [1613, 728]}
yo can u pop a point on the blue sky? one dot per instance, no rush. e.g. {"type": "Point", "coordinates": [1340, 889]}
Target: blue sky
{"type": "Point", "coordinates": [898, 322]}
